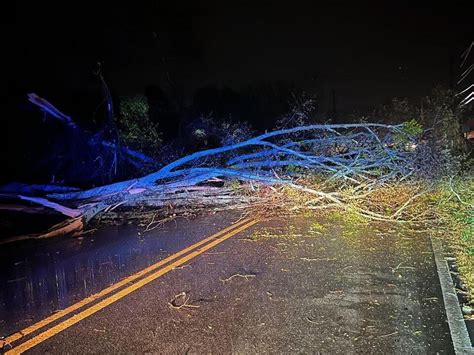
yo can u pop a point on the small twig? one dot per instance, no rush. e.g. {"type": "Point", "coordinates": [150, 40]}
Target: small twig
{"type": "Point", "coordinates": [311, 321]}
{"type": "Point", "coordinates": [159, 223]}
{"type": "Point", "coordinates": [318, 259]}
{"type": "Point", "coordinates": [181, 296]}
{"type": "Point", "coordinates": [396, 268]}
{"type": "Point", "coordinates": [152, 221]}
{"type": "Point", "coordinates": [115, 206]}
{"type": "Point", "coordinates": [4, 344]}
{"type": "Point", "coordinates": [89, 231]}
{"type": "Point", "coordinates": [388, 335]}
{"type": "Point", "coordinates": [451, 187]}
{"type": "Point", "coordinates": [181, 267]}
{"type": "Point", "coordinates": [246, 277]}
{"type": "Point", "coordinates": [399, 266]}
{"type": "Point", "coordinates": [405, 205]}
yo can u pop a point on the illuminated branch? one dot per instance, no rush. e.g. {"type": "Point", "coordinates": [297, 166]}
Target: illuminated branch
{"type": "Point", "coordinates": [359, 154]}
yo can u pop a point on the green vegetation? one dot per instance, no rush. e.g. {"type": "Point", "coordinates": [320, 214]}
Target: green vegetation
{"type": "Point", "coordinates": [317, 229]}
{"type": "Point", "coordinates": [135, 127]}
{"type": "Point", "coordinates": [452, 201]}
{"type": "Point", "coordinates": [429, 199]}
{"type": "Point", "coordinates": [410, 129]}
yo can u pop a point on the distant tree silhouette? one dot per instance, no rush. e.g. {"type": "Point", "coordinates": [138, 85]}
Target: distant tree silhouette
{"type": "Point", "coordinates": [161, 112]}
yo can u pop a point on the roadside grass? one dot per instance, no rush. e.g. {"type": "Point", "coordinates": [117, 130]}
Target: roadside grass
{"type": "Point", "coordinates": [452, 201]}
{"type": "Point", "coordinates": [443, 209]}
{"type": "Point", "coordinates": [317, 229]}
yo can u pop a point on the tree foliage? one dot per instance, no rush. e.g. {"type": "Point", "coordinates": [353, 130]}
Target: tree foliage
{"type": "Point", "coordinates": [136, 130]}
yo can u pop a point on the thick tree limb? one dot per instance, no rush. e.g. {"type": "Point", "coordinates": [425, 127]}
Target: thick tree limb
{"type": "Point", "coordinates": [359, 154]}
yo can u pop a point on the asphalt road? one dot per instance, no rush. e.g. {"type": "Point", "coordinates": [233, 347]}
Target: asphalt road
{"type": "Point", "coordinates": [299, 285]}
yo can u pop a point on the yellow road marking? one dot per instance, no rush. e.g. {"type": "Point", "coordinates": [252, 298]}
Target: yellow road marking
{"type": "Point", "coordinates": [44, 322]}
{"type": "Point", "coordinates": [122, 293]}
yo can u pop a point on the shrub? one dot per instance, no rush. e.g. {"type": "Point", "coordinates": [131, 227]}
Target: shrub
{"type": "Point", "coordinates": [208, 132]}
{"type": "Point", "coordinates": [436, 126]}
{"type": "Point", "coordinates": [398, 110]}
{"type": "Point", "coordinates": [302, 107]}
{"type": "Point", "coordinates": [441, 118]}
{"type": "Point", "coordinates": [135, 127]}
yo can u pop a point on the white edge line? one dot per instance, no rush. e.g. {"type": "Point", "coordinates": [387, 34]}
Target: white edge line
{"type": "Point", "coordinates": [457, 325]}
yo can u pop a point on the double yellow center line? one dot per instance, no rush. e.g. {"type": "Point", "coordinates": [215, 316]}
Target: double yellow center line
{"type": "Point", "coordinates": [136, 281]}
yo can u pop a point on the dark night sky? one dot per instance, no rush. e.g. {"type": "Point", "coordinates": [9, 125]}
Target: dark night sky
{"type": "Point", "coordinates": [367, 51]}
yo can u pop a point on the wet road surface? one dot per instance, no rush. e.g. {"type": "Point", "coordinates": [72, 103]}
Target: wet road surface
{"type": "Point", "coordinates": [284, 285]}
{"type": "Point", "coordinates": [38, 278]}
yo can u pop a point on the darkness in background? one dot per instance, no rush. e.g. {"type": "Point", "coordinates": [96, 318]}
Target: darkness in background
{"type": "Point", "coordinates": [364, 52]}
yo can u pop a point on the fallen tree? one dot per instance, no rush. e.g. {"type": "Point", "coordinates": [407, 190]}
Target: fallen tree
{"type": "Point", "coordinates": [359, 156]}
{"type": "Point", "coordinates": [136, 159]}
